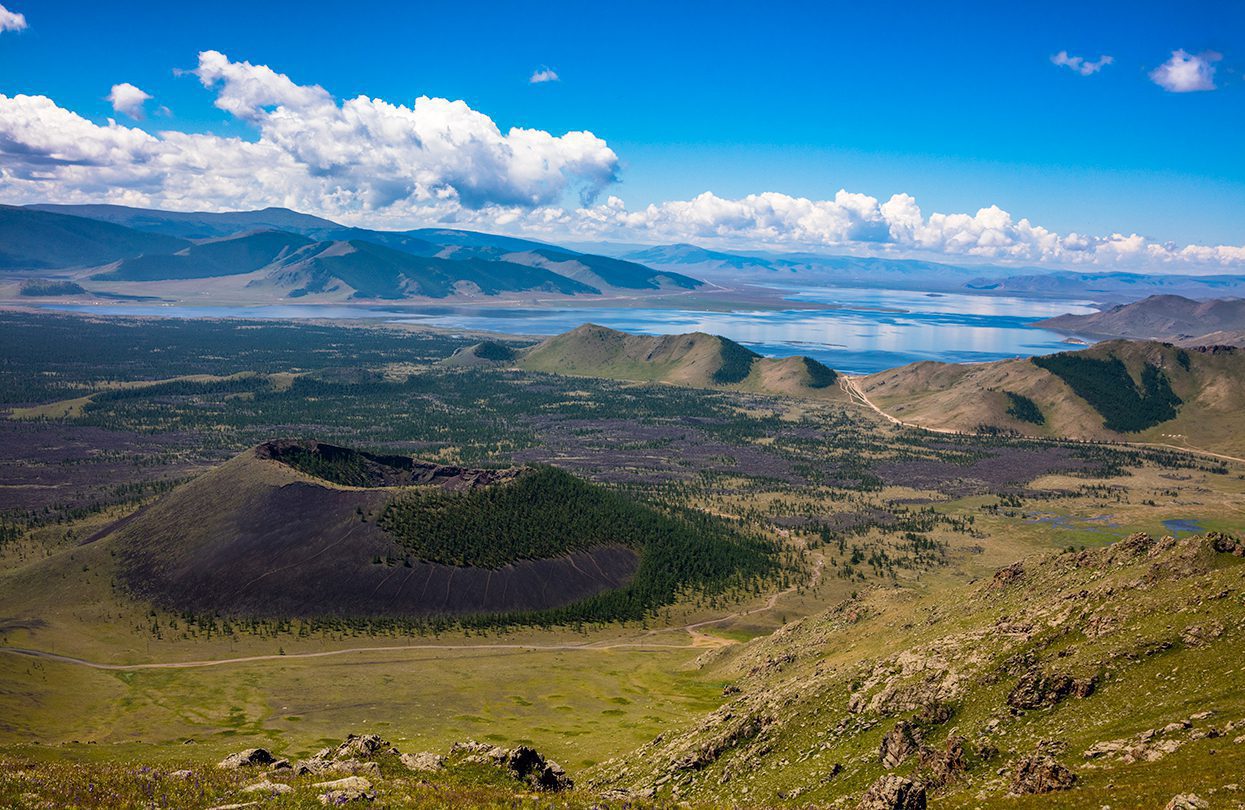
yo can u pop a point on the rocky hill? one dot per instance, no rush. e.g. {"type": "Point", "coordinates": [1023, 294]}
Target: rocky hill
{"type": "Point", "coordinates": [321, 530]}
{"type": "Point", "coordinates": [697, 359]}
{"type": "Point", "coordinates": [1117, 390]}
{"type": "Point", "coordinates": [1081, 679]}
{"type": "Point", "coordinates": [1158, 317]}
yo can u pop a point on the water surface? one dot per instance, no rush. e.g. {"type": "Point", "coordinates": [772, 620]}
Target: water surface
{"type": "Point", "coordinates": [867, 331]}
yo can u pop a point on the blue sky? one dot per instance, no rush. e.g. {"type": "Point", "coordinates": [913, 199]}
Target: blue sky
{"type": "Point", "coordinates": [956, 104]}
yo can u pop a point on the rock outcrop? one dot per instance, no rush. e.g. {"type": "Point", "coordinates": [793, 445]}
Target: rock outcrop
{"type": "Point", "coordinates": [249, 758]}
{"type": "Point", "coordinates": [1040, 774]}
{"type": "Point", "coordinates": [893, 792]}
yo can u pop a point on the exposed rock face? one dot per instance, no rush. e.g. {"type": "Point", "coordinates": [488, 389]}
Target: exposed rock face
{"type": "Point", "coordinates": [947, 765]}
{"type": "Point", "coordinates": [898, 744]}
{"type": "Point", "coordinates": [1041, 774]}
{"type": "Point", "coordinates": [522, 763]}
{"type": "Point", "coordinates": [1038, 690]}
{"type": "Point", "coordinates": [893, 792]}
{"type": "Point", "coordinates": [250, 758]}
{"type": "Point", "coordinates": [351, 757]}
{"type": "Point", "coordinates": [1187, 801]}
{"type": "Point", "coordinates": [344, 791]}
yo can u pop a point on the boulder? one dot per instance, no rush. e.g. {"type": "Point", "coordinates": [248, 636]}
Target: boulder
{"type": "Point", "coordinates": [423, 761]}
{"type": "Point", "coordinates": [1040, 774]}
{"type": "Point", "coordinates": [182, 774]}
{"type": "Point", "coordinates": [270, 788]}
{"type": "Point", "coordinates": [898, 744]}
{"type": "Point", "coordinates": [1187, 801]}
{"type": "Point", "coordinates": [947, 765]}
{"type": "Point", "coordinates": [343, 791]}
{"type": "Point", "coordinates": [250, 758]}
{"type": "Point", "coordinates": [318, 767]}
{"type": "Point", "coordinates": [893, 792]}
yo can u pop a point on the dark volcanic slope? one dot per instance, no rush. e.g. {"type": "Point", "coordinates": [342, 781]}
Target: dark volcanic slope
{"type": "Point", "coordinates": [257, 537]}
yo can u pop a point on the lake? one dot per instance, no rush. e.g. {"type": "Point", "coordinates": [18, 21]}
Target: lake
{"type": "Point", "coordinates": [868, 331]}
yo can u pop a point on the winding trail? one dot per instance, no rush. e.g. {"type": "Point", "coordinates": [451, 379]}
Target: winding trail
{"type": "Point", "coordinates": [698, 640]}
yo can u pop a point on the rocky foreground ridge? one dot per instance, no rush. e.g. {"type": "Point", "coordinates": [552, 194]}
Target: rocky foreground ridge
{"type": "Point", "coordinates": [1092, 674]}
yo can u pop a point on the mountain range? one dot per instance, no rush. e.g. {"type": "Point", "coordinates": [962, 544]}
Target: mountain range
{"type": "Point", "coordinates": [295, 255]}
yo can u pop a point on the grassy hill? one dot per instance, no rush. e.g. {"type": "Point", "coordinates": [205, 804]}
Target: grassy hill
{"type": "Point", "coordinates": [484, 353]}
{"type": "Point", "coordinates": [1118, 390]}
{"type": "Point", "coordinates": [697, 359]}
{"type": "Point", "coordinates": [321, 530]}
{"type": "Point", "coordinates": [1081, 679]}
{"type": "Point", "coordinates": [32, 240]}
{"type": "Point", "coordinates": [194, 224]}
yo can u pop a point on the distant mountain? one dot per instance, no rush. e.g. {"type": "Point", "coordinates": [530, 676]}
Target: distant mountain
{"type": "Point", "coordinates": [684, 253]}
{"type": "Point", "coordinates": [195, 224]}
{"type": "Point", "coordinates": [697, 359]}
{"type": "Point", "coordinates": [308, 256]}
{"type": "Point", "coordinates": [855, 270]}
{"type": "Point", "coordinates": [37, 240]}
{"type": "Point", "coordinates": [1159, 317]}
{"type": "Point", "coordinates": [602, 271]}
{"type": "Point", "coordinates": [220, 257]}
{"type": "Point", "coordinates": [1132, 390]}
{"type": "Point", "coordinates": [367, 270]}
{"type": "Point", "coordinates": [1110, 286]}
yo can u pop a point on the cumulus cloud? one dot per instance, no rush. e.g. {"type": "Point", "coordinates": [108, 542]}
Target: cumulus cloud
{"type": "Point", "coordinates": [11, 20]}
{"type": "Point", "coordinates": [371, 162]}
{"type": "Point", "coordinates": [1187, 73]}
{"type": "Point", "coordinates": [313, 152]}
{"type": "Point", "coordinates": [544, 75]}
{"type": "Point", "coordinates": [128, 99]}
{"type": "Point", "coordinates": [858, 223]}
{"type": "Point", "coordinates": [1080, 64]}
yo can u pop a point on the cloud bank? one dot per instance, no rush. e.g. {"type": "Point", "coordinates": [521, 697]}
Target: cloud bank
{"type": "Point", "coordinates": [371, 162]}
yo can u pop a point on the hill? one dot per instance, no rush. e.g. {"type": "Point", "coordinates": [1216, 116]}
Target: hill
{"type": "Point", "coordinates": [302, 256]}
{"type": "Point", "coordinates": [1118, 390]}
{"type": "Point", "coordinates": [1109, 286]}
{"type": "Point", "coordinates": [1095, 677]}
{"type": "Point", "coordinates": [1158, 317]}
{"type": "Point", "coordinates": [368, 270]}
{"type": "Point", "coordinates": [325, 531]}
{"type": "Point", "coordinates": [699, 360]}
{"type": "Point", "coordinates": [485, 353]}
{"type": "Point", "coordinates": [195, 224]}
{"type": "Point", "coordinates": [37, 240]}
{"type": "Point", "coordinates": [228, 256]}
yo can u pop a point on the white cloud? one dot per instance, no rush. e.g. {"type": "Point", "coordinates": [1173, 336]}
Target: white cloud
{"type": "Point", "coordinates": [128, 99]}
{"type": "Point", "coordinates": [1187, 73]}
{"type": "Point", "coordinates": [544, 75]}
{"type": "Point", "coordinates": [11, 20]}
{"type": "Point", "coordinates": [313, 152]}
{"type": "Point", "coordinates": [1080, 64]}
{"type": "Point", "coordinates": [371, 162]}
{"type": "Point", "coordinates": [858, 223]}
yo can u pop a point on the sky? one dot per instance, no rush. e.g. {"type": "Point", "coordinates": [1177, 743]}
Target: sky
{"type": "Point", "coordinates": [1067, 134]}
